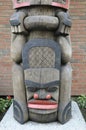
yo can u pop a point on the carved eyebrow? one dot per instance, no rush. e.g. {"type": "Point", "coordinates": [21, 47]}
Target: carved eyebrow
{"type": "Point", "coordinates": [30, 84]}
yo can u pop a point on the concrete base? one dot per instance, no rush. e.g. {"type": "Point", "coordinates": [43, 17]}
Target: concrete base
{"type": "Point", "coordinates": [76, 123]}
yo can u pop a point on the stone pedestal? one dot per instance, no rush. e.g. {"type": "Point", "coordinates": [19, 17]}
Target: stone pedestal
{"type": "Point", "coordinates": [76, 122]}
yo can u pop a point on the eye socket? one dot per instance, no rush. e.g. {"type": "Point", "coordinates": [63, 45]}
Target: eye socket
{"type": "Point", "coordinates": [51, 89]}
{"type": "Point", "coordinates": [32, 89]}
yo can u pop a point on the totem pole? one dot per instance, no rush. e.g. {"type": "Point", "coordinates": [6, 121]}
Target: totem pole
{"type": "Point", "coordinates": [41, 52]}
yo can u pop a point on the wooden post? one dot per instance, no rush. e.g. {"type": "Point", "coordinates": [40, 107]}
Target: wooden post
{"type": "Point", "coordinates": [41, 50]}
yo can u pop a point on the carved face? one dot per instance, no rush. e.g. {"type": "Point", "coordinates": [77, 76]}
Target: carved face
{"type": "Point", "coordinates": [41, 64]}
{"type": "Point", "coordinates": [42, 91]}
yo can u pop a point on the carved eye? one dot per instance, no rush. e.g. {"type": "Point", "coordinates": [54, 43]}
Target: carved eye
{"type": "Point", "coordinates": [32, 89]}
{"type": "Point", "coordinates": [51, 89]}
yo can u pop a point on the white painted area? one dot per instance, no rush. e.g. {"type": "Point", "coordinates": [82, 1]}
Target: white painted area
{"type": "Point", "coordinates": [76, 123]}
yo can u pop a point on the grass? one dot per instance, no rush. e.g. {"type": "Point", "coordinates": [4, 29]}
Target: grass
{"type": "Point", "coordinates": [5, 103]}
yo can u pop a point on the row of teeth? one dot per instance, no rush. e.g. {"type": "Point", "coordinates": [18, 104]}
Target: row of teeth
{"type": "Point", "coordinates": [15, 29]}
{"type": "Point", "coordinates": [65, 29]}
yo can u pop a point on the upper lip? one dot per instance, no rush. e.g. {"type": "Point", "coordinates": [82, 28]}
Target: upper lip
{"type": "Point", "coordinates": [41, 102]}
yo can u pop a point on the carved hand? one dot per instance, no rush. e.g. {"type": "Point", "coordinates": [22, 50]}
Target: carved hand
{"type": "Point", "coordinates": [64, 23]}
{"type": "Point", "coordinates": [17, 24]}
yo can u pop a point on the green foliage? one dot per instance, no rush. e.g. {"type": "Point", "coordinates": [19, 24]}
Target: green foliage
{"type": "Point", "coordinates": [81, 100]}
{"type": "Point", "coordinates": [5, 104]}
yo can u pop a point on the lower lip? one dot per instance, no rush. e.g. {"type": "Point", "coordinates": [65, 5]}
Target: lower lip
{"type": "Point", "coordinates": [42, 104]}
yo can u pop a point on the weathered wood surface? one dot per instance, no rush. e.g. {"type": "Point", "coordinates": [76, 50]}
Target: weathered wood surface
{"type": "Point", "coordinates": [19, 92]}
{"type": "Point", "coordinates": [46, 2]}
{"type": "Point", "coordinates": [41, 23]}
{"type": "Point", "coordinates": [42, 75]}
{"type": "Point", "coordinates": [64, 112]}
{"type": "Point", "coordinates": [41, 34]}
{"type": "Point", "coordinates": [66, 50]}
{"type": "Point", "coordinates": [41, 10]}
{"type": "Point", "coordinates": [18, 41]}
{"type": "Point", "coordinates": [38, 2]}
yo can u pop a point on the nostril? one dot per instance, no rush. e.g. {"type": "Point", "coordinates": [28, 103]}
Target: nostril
{"type": "Point", "coordinates": [36, 96]}
{"type": "Point", "coordinates": [48, 96]}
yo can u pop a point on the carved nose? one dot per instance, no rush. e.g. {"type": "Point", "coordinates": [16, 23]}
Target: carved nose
{"type": "Point", "coordinates": [36, 96]}
{"type": "Point", "coordinates": [42, 95]}
{"type": "Point", "coordinates": [48, 96]}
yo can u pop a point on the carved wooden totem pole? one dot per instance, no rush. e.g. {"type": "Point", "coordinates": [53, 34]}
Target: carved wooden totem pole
{"type": "Point", "coordinates": [41, 51]}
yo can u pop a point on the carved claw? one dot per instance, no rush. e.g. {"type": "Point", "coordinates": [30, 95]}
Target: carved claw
{"type": "Point", "coordinates": [17, 23]}
{"type": "Point", "coordinates": [64, 23]}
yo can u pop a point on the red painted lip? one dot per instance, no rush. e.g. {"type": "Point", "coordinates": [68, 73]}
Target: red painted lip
{"type": "Point", "coordinates": [42, 104]}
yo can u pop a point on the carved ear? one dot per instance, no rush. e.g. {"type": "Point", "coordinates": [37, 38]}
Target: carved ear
{"type": "Point", "coordinates": [65, 114]}
{"type": "Point", "coordinates": [19, 112]}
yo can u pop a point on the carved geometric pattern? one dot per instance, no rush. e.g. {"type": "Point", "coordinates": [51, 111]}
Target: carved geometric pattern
{"type": "Point", "coordinates": [41, 57]}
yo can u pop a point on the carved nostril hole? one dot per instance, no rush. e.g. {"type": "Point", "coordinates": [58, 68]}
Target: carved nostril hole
{"type": "Point", "coordinates": [36, 96]}
{"type": "Point", "coordinates": [48, 96]}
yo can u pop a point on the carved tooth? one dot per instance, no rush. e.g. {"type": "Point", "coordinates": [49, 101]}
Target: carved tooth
{"type": "Point", "coordinates": [16, 29]}
{"type": "Point", "coordinates": [19, 28]}
{"type": "Point", "coordinates": [66, 31]}
{"type": "Point", "coordinates": [12, 29]}
{"type": "Point", "coordinates": [62, 29]}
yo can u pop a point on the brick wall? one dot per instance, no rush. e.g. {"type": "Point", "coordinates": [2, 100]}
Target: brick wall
{"type": "Point", "coordinates": [5, 60]}
{"type": "Point", "coordinates": [78, 37]}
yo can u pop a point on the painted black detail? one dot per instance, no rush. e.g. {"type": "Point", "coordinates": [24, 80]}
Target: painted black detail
{"type": "Point", "coordinates": [14, 20]}
{"type": "Point", "coordinates": [18, 113]}
{"type": "Point", "coordinates": [67, 21]}
{"type": "Point", "coordinates": [66, 113]}
{"type": "Point", "coordinates": [33, 86]}
{"type": "Point", "coordinates": [39, 85]}
{"type": "Point", "coordinates": [65, 18]}
{"type": "Point", "coordinates": [41, 43]}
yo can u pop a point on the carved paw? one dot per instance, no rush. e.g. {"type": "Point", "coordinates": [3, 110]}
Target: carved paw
{"type": "Point", "coordinates": [17, 23]}
{"type": "Point", "coordinates": [64, 23]}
